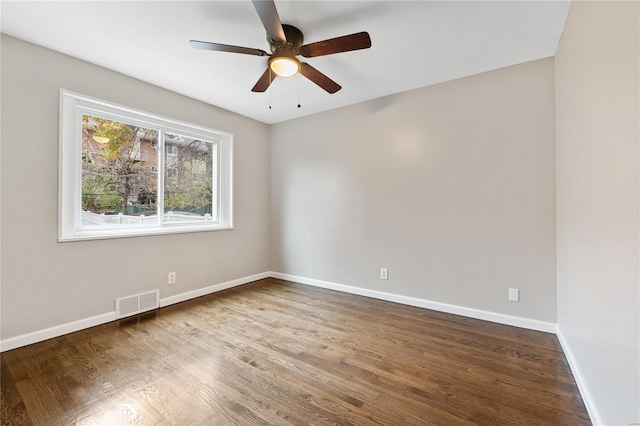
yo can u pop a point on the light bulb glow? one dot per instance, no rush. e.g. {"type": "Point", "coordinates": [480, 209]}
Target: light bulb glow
{"type": "Point", "coordinates": [284, 66]}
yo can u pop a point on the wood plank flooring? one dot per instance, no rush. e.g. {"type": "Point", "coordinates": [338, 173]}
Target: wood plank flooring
{"type": "Point", "coordinates": [275, 352]}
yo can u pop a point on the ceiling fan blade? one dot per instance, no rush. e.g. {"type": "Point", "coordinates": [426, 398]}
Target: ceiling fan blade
{"type": "Point", "coordinates": [269, 16]}
{"type": "Point", "coordinates": [205, 45]}
{"type": "Point", "coordinates": [346, 43]}
{"type": "Point", "coordinates": [264, 81]}
{"type": "Point", "coordinates": [318, 78]}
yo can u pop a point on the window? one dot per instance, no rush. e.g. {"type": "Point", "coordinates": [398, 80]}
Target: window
{"type": "Point", "coordinates": [126, 173]}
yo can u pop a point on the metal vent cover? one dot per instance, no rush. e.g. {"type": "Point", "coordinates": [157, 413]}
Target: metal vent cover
{"type": "Point", "coordinates": [148, 301]}
{"type": "Point", "coordinates": [138, 303]}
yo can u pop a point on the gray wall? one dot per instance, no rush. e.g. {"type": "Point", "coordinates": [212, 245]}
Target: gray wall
{"type": "Point", "coordinates": [45, 283]}
{"type": "Point", "coordinates": [451, 187]}
{"type": "Point", "coordinates": [597, 201]}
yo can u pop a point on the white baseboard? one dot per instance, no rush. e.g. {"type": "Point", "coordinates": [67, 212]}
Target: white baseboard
{"type": "Point", "coordinates": [182, 297]}
{"type": "Point", "coordinates": [587, 398]}
{"type": "Point", "coordinates": [70, 327]}
{"type": "Point", "coordinates": [528, 323]}
{"type": "Point", "coordinates": [41, 335]}
{"type": "Point", "coordinates": [58, 330]}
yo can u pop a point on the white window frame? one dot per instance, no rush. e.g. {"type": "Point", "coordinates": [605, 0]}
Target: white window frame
{"type": "Point", "coordinates": [70, 228]}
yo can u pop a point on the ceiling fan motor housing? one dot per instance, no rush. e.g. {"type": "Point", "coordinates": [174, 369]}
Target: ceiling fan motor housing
{"type": "Point", "coordinates": [291, 47]}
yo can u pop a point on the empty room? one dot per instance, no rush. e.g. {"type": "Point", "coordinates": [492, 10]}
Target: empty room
{"type": "Point", "coordinates": [320, 212]}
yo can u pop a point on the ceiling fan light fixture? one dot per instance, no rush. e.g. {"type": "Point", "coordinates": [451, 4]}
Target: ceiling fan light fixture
{"type": "Point", "coordinates": [284, 66]}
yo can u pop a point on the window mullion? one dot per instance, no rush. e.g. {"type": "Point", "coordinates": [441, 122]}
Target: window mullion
{"type": "Point", "coordinates": [215, 196]}
{"type": "Point", "coordinates": [160, 191]}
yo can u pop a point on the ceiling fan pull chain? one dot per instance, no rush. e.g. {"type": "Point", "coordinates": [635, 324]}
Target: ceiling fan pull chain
{"type": "Point", "coordinates": [270, 90]}
{"type": "Point", "coordinates": [298, 90]}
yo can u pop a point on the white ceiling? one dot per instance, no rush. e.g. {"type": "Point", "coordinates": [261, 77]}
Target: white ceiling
{"type": "Point", "coordinates": [414, 44]}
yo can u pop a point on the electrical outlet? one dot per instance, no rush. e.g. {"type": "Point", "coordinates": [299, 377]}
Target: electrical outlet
{"type": "Point", "coordinates": [514, 295]}
{"type": "Point", "coordinates": [171, 278]}
{"type": "Point", "coordinates": [384, 274]}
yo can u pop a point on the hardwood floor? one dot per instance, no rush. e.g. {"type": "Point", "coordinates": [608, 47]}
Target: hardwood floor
{"type": "Point", "coordinates": [275, 352]}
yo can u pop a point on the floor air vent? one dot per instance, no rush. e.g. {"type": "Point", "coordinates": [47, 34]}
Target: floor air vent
{"type": "Point", "coordinates": [131, 305]}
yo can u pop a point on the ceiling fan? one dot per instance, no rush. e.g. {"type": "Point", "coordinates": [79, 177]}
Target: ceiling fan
{"type": "Point", "coordinates": [286, 43]}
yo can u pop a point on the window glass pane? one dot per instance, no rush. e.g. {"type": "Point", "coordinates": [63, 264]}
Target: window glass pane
{"type": "Point", "coordinates": [188, 186]}
{"type": "Point", "coordinates": [119, 173]}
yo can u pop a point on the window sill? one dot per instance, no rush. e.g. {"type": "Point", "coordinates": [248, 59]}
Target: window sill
{"type": "Point", "coordinates": [139, 232]}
